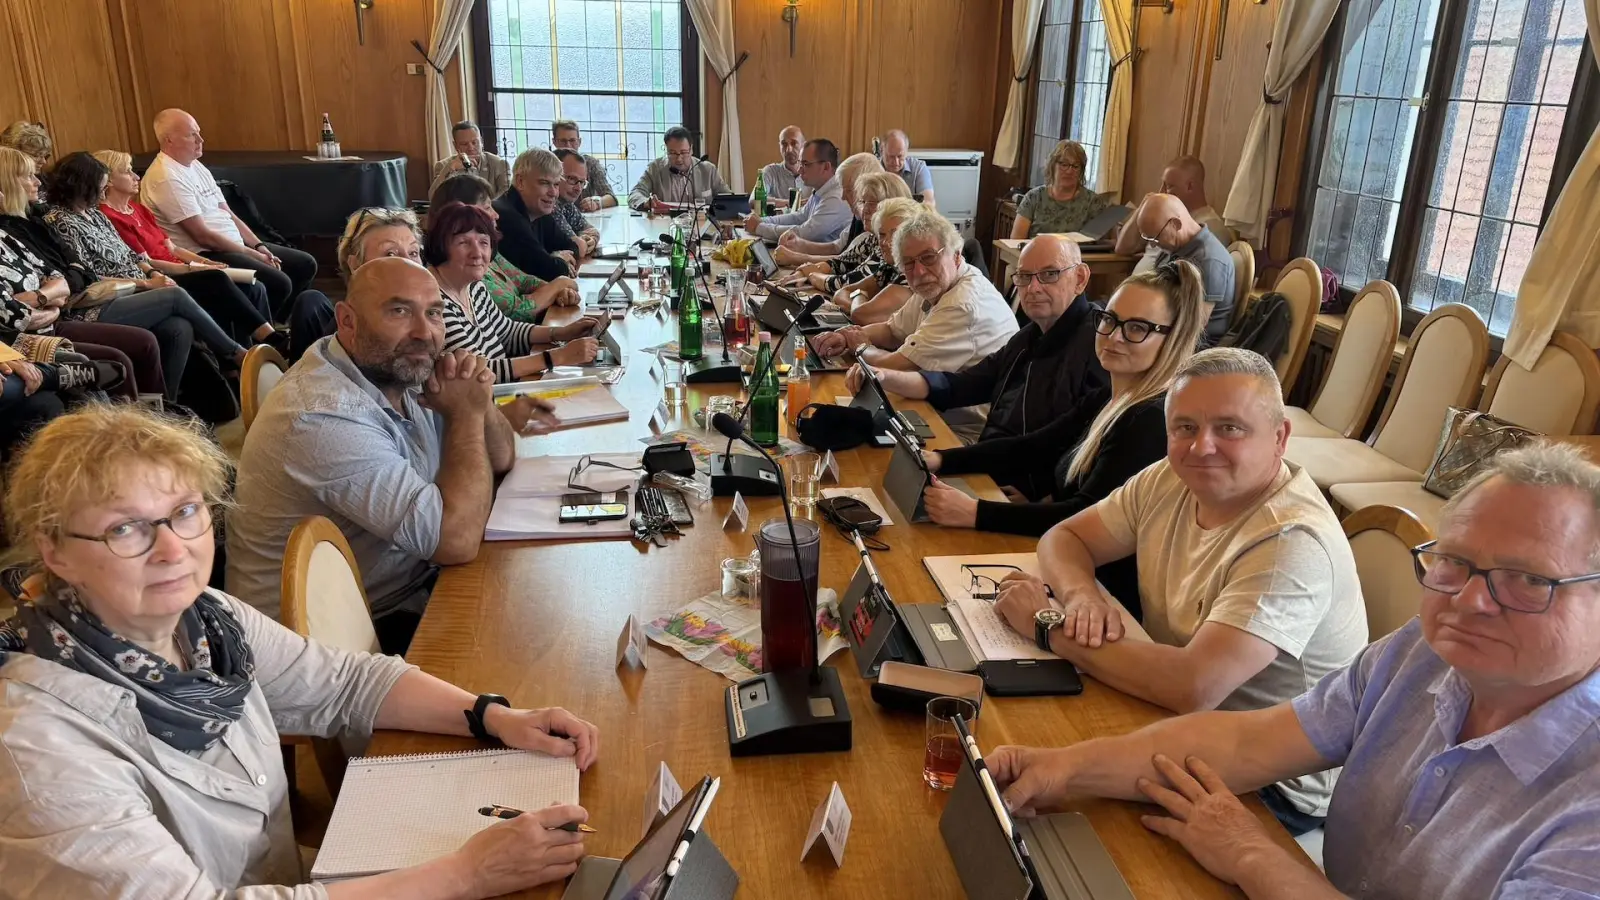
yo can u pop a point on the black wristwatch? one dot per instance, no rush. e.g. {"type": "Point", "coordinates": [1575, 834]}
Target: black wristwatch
{"type": "Point", "coordinates": [549, 361]}
{"type": "Point", "coordinates": [475, 715]}
{"type": "Point", "coordinates": [1045, 621]}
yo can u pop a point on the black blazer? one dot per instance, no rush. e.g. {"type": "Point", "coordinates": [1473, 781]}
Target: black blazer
{"type": "Point", "coordinates": [531, 244]}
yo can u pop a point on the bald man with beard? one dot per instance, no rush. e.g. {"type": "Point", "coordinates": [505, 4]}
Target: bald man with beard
{"type": "Point", "coordinates": [379, 431]}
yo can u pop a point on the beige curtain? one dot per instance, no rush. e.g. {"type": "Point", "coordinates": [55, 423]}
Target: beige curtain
{"type": "Point", "coordinates": [1558, 290]}
{"type": "Point", "coordinates": [713, 21]}
{"type": "Point", "coordinates": [1024, 40]}
{"type": "Point", "coordinates": [449, 26]}
{"type": "Point", "coordinates": [1296, 35]}
{"type": "Point", "coordinates": [1119, 97]}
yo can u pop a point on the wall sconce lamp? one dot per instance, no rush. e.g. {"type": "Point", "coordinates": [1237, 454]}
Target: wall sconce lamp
{"type": "Point", "coordinates": [791, 15]}
{"type": "Point", "coordinates": [362, 8]}
{"type": "Point", "coordinates": [1166, 5]}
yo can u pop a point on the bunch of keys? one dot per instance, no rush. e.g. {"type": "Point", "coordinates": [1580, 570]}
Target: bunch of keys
{"type": "Point", "coordinates": [653, 521]}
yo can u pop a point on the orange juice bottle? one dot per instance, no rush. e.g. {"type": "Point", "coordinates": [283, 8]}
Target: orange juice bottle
{"type": "Point", "coordinates": [799, 382]}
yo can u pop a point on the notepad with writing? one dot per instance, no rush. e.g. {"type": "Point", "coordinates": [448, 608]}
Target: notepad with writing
{"type": "Point", "coordinates": [399, 811]}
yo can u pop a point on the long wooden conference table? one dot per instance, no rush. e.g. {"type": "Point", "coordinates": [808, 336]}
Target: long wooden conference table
{"type": "Point", "coordinates": [538, 622]}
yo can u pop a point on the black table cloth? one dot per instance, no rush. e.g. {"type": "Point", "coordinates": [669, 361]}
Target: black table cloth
{"type": "Point", "coordinates": [301, 197]}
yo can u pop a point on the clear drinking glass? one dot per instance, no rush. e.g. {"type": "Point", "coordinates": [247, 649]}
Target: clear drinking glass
{"type": "Point", "coordinates": [942, 758]}
{"type": "Point", "coordinates": [803, 477]}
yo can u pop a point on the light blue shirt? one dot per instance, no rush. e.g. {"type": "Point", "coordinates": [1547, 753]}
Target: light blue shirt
{"type": "Point", "coordinates": [1513, 814]}
{"type": "Point", "coordinates": [916, 176]}
{"type": "Point", "coordinates": [328, 443]}
{"type": "Point", "coordinates": [823, 218]}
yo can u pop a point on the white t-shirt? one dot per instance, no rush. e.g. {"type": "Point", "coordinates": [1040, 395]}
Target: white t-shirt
{"type": "Point", "coordinates": [175, 192]}
{"type": "Point", "coordinates": [968, 323]}
{"type": "Point", "coordinates": [1282, 572]}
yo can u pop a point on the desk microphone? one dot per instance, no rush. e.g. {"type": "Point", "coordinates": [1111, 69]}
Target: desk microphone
{"type": "Point", "coordinates": [732, 473]}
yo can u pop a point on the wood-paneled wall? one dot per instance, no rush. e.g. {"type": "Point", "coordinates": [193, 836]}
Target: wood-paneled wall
{"type": "Point", "coordinates": [257, 74]}
{"type": "Point", "coordinates": [861, 67]}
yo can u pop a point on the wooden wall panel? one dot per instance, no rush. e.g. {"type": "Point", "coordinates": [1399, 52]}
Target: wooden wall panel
{"type": "Point", "coordinates": [812, 89]}
{"type": "Point", "coordinates": [241, 107]}
{"type": "Point", "coordinates": [1165, 85]}
{"type": "Point", "coordinates": [1233, 90]}
{"type": "Point", "coordinates": [930, 69]}
{"type": "Point", "coordinates": [78, 94]}
{"type": "Point", "coordinates": [16, 81]}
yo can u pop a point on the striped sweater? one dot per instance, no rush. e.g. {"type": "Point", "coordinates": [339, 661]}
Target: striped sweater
{"type": "Point", "coordinates": [486, 332]}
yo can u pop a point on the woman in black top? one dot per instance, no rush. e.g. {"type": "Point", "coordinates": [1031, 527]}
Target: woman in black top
{"type": "Point", "coordinates": [1150, 326]}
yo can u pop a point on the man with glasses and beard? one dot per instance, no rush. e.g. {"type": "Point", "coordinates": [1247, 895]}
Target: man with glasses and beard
{"type": "Point", "coordinates": [955, 318]}
{"type": "Point", "coordinates": [1043, 372]}
{"type": "Point", "coordinates": [1167, 226]}
{"type": "Point", "coordinates": [378, 431]}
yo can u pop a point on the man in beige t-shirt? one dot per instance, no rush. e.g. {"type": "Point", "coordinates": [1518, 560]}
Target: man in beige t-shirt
{"type": "Point", "coordinates": [1249, 589]}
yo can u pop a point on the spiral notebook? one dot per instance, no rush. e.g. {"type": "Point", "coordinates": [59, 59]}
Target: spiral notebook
{"type": "Point", "coordinates": [398, 811]}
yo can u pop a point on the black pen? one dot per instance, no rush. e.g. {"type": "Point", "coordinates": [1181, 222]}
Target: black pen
{"type": "Point", "coordinates": [510, 812]}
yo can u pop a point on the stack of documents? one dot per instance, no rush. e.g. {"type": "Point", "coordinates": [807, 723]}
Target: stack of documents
{"type": "Point", "coordinates": [527, 505]}
{"type": "Point", "coordinates": [578, 401]}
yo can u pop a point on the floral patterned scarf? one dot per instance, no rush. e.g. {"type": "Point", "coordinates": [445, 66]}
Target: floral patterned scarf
{"type": "Point", "coordinates": [187, 709]}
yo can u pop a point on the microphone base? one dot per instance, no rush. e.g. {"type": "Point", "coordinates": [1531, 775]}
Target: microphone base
{"type": "Point", "coordinates": [788, 712]}
{"type": "Point", "coordinates": [744, 474]}
{"type": "Point", "coordinates": [706, 370]}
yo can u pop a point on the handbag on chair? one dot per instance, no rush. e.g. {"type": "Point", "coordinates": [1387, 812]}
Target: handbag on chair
{"type": "Point", "coordinates": [1469, 440]}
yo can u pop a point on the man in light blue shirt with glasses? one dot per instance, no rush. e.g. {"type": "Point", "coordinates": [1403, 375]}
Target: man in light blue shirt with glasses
{"type": "Point", "coordinates": [1468, 738]}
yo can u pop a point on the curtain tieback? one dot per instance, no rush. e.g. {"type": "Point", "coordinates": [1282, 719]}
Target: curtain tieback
{"type": "Point", "coordinates": [1267, 98]}
{"type": "Point", "coordinates": [1130, 56]}
{"type": "Point", "coordinates": [438, 69]}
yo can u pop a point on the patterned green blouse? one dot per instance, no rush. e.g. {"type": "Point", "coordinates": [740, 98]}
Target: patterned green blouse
{"type": "Point", "coordinates": [512, 290]}
{"type": "Point", "coordinates": [1047, 215]}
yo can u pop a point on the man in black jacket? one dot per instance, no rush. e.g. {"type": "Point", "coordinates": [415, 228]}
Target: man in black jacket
{"type": "Point", "coordinates": [1038, 376]}
{"type": "Point", "coordinates": [530, 237]}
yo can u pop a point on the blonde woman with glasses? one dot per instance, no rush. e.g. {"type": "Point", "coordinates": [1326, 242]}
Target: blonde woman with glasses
{"type": "Point", "coordinates": [1064, 203]}
{"type": "Point", "coordinates": [1148, 328]}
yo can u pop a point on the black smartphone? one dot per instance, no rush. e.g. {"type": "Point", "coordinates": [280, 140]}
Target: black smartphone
{"type": "Point", "coordinates": [593, 507]}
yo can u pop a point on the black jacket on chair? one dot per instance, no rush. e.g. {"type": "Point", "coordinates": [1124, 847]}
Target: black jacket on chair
{"type": "Point", "coordinates": [1036, 378]}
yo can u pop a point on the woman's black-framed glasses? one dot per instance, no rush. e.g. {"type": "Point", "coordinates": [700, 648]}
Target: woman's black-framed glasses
{"type": "Point", "coordinates": [1134, 331]}
{"type": "Point", "coordinates": [134, 537]}
{"type": "Point", "coordinates": [981, 584]}
{"type": "Point", "coordinates": [587, 462]}
{"type": "Point", "coordinates": [1513, 589]}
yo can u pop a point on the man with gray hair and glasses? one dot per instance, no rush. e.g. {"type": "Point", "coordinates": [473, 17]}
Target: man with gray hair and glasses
{"type": "Point", "coordinates": [597, 194]}
{"type": "Point", "coordinates": [954, 318]}
{"type": "Point", "coordinates": [530, 237]}
{"type": "Point", "coordinates": [1468, 737]}
{"type": "Point", "coordinates": [1247, 583]}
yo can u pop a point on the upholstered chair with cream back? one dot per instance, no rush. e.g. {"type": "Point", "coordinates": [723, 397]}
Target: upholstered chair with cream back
{"type": "Point", "coordinates": [1559, 397]}
{"type": "Point", "coordinates": [1244, 277]}
{"type": "Point", "coordinates": [323, 598]}
{"type": "Point", "coordinates": [1300, 283]}
{"type": "Point", "coordinates": [262, 370]}
{"type": "Point", "coordinates": [1355, 376]}
{"type": "Point", "coordinates": [1443, 367]}
{"type": "Point", "coordinates": [1381, 538]}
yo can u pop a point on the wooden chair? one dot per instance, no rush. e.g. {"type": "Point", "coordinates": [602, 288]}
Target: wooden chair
{"type": "Point", "coordinates": [1442, 368]}
{"type": "Point", "coordinates": [262, 370]}
{"type": "Point", "coordinates": [1559, 397]}
{"type": "Point", "coordinates": [1381, 538]}
{"type": "Point", "coordinates": [1300, 282]}
{"type": "Point", "coordinates": [318, 559]}
{"type": "Point", "coordinates": [1360, 363]}
{"type": "Point", "coordinates": [1244, 278]}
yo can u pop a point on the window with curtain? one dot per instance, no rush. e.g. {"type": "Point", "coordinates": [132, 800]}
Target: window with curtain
{"type": "Point", "coordinates": [624, 70]}
{"type": "Point", "coordinates": [1073, 77]}
{"type": "Point", "coordinates": [1444, 125]}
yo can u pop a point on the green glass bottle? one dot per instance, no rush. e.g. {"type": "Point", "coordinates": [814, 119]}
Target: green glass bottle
{"type": "Point", "coordinates": [758, 200]}
{"type": "Point", "coordinates": [679, 263]}
{"type": "Point", "coordinates": [764, 397]}
{"type": "Point", "coordinates": [690, 330]}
